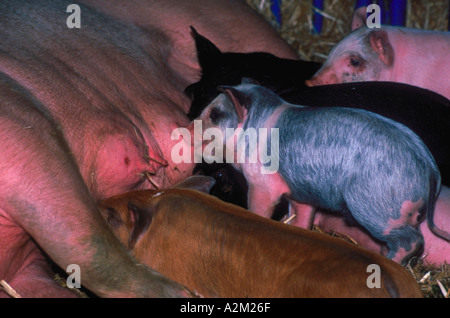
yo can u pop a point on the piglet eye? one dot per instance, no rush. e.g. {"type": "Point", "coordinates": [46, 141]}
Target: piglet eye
{"type": "Point", "coordinates": [355, 62]}
{"type": "Point", "coordinates": [215, 115]}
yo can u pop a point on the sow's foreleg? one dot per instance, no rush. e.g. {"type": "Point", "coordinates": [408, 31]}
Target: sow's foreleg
{"type": "Point", "coordinates": [43, 192]}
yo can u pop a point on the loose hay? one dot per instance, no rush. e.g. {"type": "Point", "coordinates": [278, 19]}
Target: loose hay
{"type": "Point", "coordinates": [434, 281]}
{"type": "Point", "coordinates": [61, 279]}
{"type": "Point", "coordinates": [9, 290]}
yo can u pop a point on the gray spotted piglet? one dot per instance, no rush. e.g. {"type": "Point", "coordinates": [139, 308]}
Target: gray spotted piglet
{"type": "Point", "coordinates": [370, 168]}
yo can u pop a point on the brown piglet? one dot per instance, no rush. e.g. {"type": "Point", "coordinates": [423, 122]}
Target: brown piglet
{"type": "Point", "coordinates": [221, 250]}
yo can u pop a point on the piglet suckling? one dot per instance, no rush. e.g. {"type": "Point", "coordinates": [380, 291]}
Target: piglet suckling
{"type": "Point", "coordinates": [412, 56]}
{"type": "Point", "coordinates": [221, 250]}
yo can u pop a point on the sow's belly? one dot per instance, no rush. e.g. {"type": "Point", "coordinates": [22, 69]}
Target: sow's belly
{"type": "Point", "coordinates": [106, 87]}
{"type": "Point", "coordinates": [114, 87]}
{"type": "Point", "coordinates": [85, 114]}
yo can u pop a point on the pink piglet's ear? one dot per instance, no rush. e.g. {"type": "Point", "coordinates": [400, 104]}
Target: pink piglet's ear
{"type": "Point", "coordinates": [237, 99]}
{"type": "Point", "coordinates": [379, 41]}
{"type": "Point", "coordinates": [359, 18]}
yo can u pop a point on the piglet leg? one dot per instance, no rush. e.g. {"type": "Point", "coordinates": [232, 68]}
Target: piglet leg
{"type": "Point", "coordinates": [262, 202]}
{"type": "Point", "coordinates": [264, 193]}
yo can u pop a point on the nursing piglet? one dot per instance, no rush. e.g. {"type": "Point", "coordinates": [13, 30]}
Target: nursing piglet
{"type": "Point", "coordinates": [412, 56]}
{"type": "Point", "coordinates": [221, 250]}
{"type": "Point", "coordinates": [366, 166]}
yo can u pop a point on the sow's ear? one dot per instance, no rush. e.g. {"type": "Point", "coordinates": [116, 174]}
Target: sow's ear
{"type": "Point", "coordinates": [199, 183]}
{"type": "Point", "coordinates": [141, 218]}
{"type": "Point", "coordinates": [379, 41]}
{"type": "Point", "coordinates": [239, 99]}
{"type": "Point", "coordinates": [208, 54]}
{"type": "Point", "coordinates": [359, 18]}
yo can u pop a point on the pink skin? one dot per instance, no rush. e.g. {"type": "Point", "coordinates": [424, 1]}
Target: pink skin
{"type": "Point", "coordinates": [112, 117]}
{"type": "Point", "coordinates": [304, 214]}
{"type": "Point", "coordinates": [264, 191]}
{"type": "Point", "coordinates": [409, 214]}
{"type": "Point", "coordinates": [405, 55]}
{"type": "Point", "coordinates": [229, 25]}
{"type": "Point", "coordinates": [436, 250]}
{"type": "Point", "coordinates": [26, 264]}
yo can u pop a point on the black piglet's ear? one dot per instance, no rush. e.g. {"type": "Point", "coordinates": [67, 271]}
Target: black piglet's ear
{"type": "Point", "coordinates": [208, 54]}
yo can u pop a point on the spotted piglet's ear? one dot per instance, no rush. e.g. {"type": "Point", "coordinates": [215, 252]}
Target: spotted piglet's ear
{"type": "Point", "coordinates": [239, 100]}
